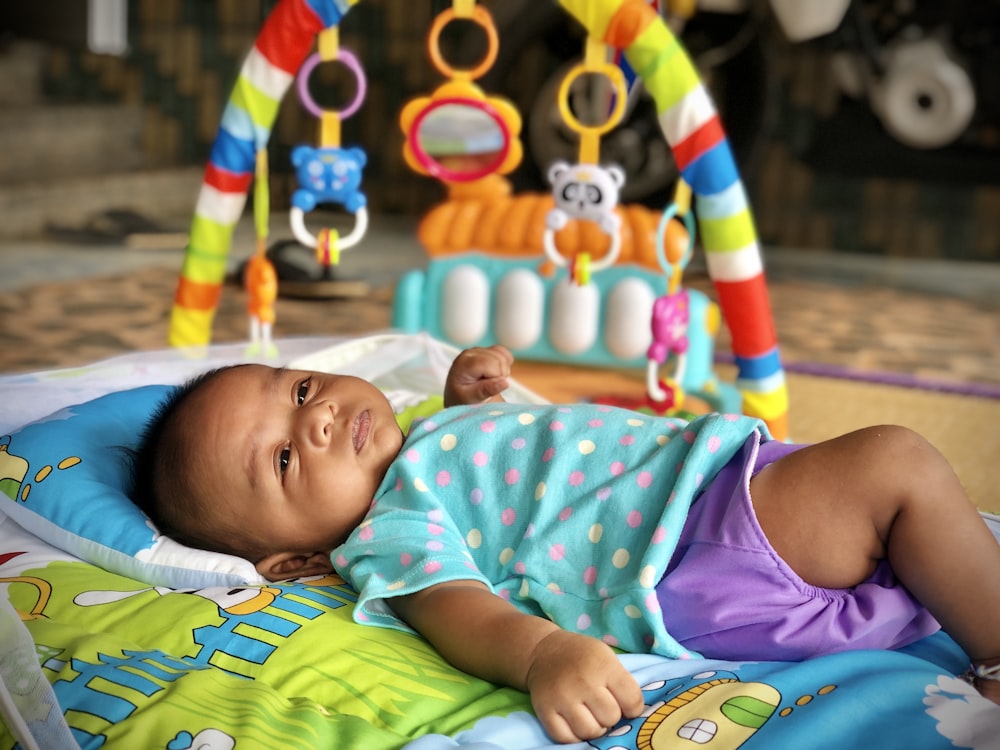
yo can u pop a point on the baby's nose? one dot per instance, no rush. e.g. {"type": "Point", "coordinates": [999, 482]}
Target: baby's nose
{"type": "Point", "coordinates": [322, 418]}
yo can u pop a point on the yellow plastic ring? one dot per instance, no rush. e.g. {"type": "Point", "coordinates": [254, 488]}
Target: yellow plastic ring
{"type": "Point", "coordinates": [480, 16]}
{"type": "Point", "coordinates": [617, 78]}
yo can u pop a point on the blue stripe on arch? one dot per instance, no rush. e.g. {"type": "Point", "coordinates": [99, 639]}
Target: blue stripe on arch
{"type": "Point", "coordinates": [760, 367]}
{"type": "Point", "coordinates": [232, 153]}
{"type": "Point", "coordinates": [328, 11]}
{"type": "Point", "coordinates": [713, 171]}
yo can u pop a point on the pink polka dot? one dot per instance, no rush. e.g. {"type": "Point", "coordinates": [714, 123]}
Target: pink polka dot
{"type": "Point", "coordinates": [512, 476]}
{"type": "Point", "coordinates": [399, 484]}
{"type": "Point", "coordinates": [576, 478]}
{"type": "Point", "coordinates": [434, 529]}
{"type": "Point", "coordinates": [590, 575]}
{"type": "Point", "coordinates": [429, 425]}
{"type": "Point", "coordinates": [341, 561]}
{"type": "Point", "coordinates": [699, 478]}
{"type": "Point", "coordinates": [530, 531]}
{"type": "Point", "coordinates": [432, 567]}
{"type": "Point", "coordinates": [361, 615]}
{"type": "Point", "coordinates": [555, 425]}
{"type": "Point", "coordinates": [520, 568]}
{"type": "Point", "coordinates": [604, 493]}
{"type": "Point", "coordinates": [557, 551]}
{"type": "Point", "coordinates": [443, 478]}
{"type": "Point", "coordinates": [366, 533]}
{"type": "Point", "coordinates": [405, 559]}
{"type": "Point", "coordinates": [488, 425]}
{"type": "Point", "coordinates": [730, 417]}
{"type": "Point", "coordinates": [435, 515]}
{"type": "Point", "coordinates": [583, 622]}
{"type": "Point", "coordinates": [617, 467]}
{"type": "Point", "coordinates": [595, 422]}
{"type": "Point", "coordinates": [479, 458]}
{"type": "Point", "coordinates": [714, 443]}
{"type": "Point", "coordinates": [659, 535]}
{"type": "Point", "coordinates": [434, 545]}
{"type": "Point", "coordinates": [517, 443]}
{"type": "Point", "coordinates": [508, 516]}
{"type": "Point", "coordinates": [565, 513]}
{"type": "Point", "coordinates": [633, 519]}
{"type": "Point", "coordinates": [413, 455]}
{"type": "Point", "coordinates": [610, 639]}
{"type": "Point", "coordinates": [652, 603]}
{"type": "Point", "coordinates": [644, 479]}
{"type": "Point", "coordinates": [504, 594]}
{"type": "Point", "coordinates": [627, 439]}
{"type": "Point", "coordinates": [688, 436]}
{"type": "Point", "coordinates": [604, 408]}
{"type": "Point", "coordinates": [549, 453]}
{"type": "Point", "coordinates": [564, 410]}
{"type": "Point", "coordinates": [476, 496]}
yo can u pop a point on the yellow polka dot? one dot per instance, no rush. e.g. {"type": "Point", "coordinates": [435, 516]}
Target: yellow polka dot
{"type": "Point", "coordinates": [495, 412]}
{"type": "Point", "coordinates": [419, 485]}
{"type": "Point", "coordinates": [524, 589]}
{"type": "Point", "coordinates": [633, 611]}
{"type": "Point", "coordinates": [395, 586]}
{"type": "Point", "coordinates": [635, 422]}
{"type": "Point", "coordinates": [620, 558]}
{"type": "Point", "coordinates": [647, 576]}
{"type": "Point", "coordinates": [662, 439]}
{"type": "Point", "coordinates": [539, 490]}
{"type": "Point", "coordinates": [448, 442]}
{"type": "Point", "coordinates": [474, 538]}
{"type": "Point", "coordinates": [525, 418]}
{"type": "Point", "coordinates": [595, 533]}
{"type": "Point", "coordinates": [586, 447]}
{"type": "Point", "coordinates": [505, 555]}
{"type": "Point", "coordinates": [554, 587]}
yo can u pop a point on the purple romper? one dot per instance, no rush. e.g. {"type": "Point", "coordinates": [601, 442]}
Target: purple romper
{"type": "Point", "coordinates": [728, 595]}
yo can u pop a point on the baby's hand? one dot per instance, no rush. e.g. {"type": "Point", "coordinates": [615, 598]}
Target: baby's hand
{"type": "Point", "coordinates": [478, 375]}
{"type": "Point", "coordinates": [578, 687]}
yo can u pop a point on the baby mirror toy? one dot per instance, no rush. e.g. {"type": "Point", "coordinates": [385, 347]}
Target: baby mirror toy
{"type": "Point", "coordinates": [458, 133]}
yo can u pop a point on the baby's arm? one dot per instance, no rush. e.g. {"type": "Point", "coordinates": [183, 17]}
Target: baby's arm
{"type": "Point", "coordinates": [578, 687]}
{"type": "Point", "coordinates": [478, 375]}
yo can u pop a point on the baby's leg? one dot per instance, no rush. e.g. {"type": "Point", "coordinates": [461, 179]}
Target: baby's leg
{"type": "Point", "coordinates": [834, 509]}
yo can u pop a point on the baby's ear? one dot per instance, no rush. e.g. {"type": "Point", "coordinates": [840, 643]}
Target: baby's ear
{"type": "Point", "coordinates": [284, 565]}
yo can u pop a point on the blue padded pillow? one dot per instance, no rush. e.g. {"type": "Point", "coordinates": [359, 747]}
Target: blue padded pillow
{"type": "Point", "coordinates": [64, 478]}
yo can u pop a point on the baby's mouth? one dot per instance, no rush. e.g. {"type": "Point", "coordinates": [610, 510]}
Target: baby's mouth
{"type": "Point", "coordinates": [362, 426]}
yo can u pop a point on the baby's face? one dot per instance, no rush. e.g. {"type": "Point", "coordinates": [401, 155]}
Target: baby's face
{"type": "Point", "coordinates": [291, 457]}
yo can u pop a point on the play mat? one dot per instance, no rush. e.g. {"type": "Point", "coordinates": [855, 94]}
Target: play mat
{"type": "Point", "coordinates": [116, 637]}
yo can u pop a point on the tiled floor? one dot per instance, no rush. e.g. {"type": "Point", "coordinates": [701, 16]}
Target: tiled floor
{"type": "Point", "coordinates": [67, 304]}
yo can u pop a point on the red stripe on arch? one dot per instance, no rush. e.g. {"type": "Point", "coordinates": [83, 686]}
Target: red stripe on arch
{"type": "Point", "coordinates": [288, 34]}
{"type": "Point", "coordinates": [226, 181]}
{"type": "Point", "coordinates": [747, 310]}
{"type": "Point", "coordinates": [698, 142]}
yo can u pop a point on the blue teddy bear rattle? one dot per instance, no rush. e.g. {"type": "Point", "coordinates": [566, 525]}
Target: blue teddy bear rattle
{"type": "Point", "coordinates": [329, 175]}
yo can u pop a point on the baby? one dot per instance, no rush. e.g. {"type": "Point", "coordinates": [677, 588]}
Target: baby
{"type": "Point", "coordinates": [524, 542]}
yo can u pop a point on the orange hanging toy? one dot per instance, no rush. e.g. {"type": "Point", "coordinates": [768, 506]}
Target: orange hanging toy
{"type": "Point", "coordinates": [261, 280]}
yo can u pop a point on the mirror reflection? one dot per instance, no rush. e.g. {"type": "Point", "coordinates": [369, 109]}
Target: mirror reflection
{"type": "Point", "coordinates": [460, 141]}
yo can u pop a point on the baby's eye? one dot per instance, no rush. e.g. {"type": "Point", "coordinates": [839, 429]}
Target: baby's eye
{"type": "Point", "coordinates": [283, 460]}
{"type": "Point", "coordinates": [302, 392]}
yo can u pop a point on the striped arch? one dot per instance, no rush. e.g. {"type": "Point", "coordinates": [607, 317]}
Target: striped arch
{"type": "Point", "coordinates": [687, 117]}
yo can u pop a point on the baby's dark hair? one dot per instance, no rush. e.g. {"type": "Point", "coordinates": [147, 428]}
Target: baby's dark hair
{"type": "Point", "coordinates": [162, 488]}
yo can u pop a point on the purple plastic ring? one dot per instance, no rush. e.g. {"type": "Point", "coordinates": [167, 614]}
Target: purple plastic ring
{"type": "Point", "coordinates": [349, 59]}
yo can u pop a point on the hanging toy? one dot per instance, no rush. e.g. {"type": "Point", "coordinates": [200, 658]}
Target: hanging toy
{"type": "Point", "coordinates": [671, 312]}
{"type": "Point", "coordinates": [586, 190]}
{"type": "Point", "coordinates": [329, 174]}
{"type": "Point", "coordinates": [260, 278]}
